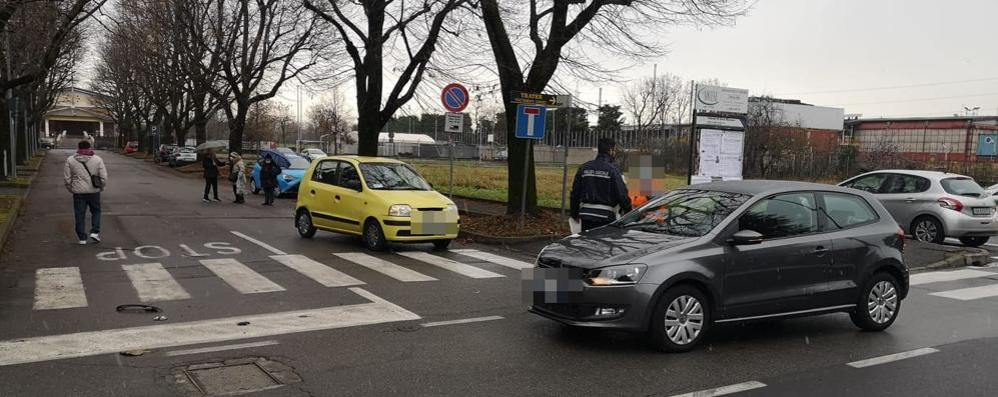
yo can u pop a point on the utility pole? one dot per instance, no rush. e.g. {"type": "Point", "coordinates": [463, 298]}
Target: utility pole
{"type": "Point", "coordinates": [10, 163]}
{"type": "Point", "coordinates": [298, 97]}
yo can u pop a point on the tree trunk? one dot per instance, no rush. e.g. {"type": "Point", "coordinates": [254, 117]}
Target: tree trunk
{"type": "Point", "coordinates": [368, 130]}
{"type": "Point", "coordinates": [5, 132]}
{"type": "Point", "coordinates": [22, 135]}
{"type": "Point", "coordinates": [201, 131]}
{"type": "Point", "coordinates": [236, 127]}
{"type": "Point", "coordinates": [517, 150]}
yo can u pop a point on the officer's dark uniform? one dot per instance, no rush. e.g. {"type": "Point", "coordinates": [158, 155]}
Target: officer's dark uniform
{"type": "Point", "coordinates": [598, 193]}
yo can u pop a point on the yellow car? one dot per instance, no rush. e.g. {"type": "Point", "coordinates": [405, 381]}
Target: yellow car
{"type": "Point", "coordinates": [382, 200]}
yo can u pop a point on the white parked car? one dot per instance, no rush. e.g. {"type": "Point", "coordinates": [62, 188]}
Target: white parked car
{"type": "Point", "coordinates": [312, 154]}
{"type": "Point", "coordinates": [183, 155]}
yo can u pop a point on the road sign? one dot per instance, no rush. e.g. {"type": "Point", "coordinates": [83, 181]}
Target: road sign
{"type": "Point", "coordinates": [530, 98]}
{"type": "Point", "coordinates": [455, 97]}
{"type": "Point", "coordinates": [720, 122]}
{"type": "Point", "coordinates": [454, 122]}
{"type": "Point", "coordinates": [714, 99]}
{"type": "Point", "coordinates": [530, 121]}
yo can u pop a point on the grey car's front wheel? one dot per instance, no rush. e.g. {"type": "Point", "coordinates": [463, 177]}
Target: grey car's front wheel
{"type": "Point", "coordinates": [928, 229]}
{"type": "Point", "coordinates": [681, 318]}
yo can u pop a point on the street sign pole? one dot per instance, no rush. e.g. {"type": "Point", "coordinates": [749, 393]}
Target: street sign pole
{"type": "Point", "coordinates": [450, 152]}
{"type": "Point", "coordinates": [564, 162]}
{"type": "Point", "coordinates": [693, 128]}
{"type": "Point", "coordinates": [526, 176]}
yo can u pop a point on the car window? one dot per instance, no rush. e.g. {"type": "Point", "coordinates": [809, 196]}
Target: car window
{"type": "Point", "coordinates": [901, 183]}
{"type": "Point", "coordinates": [297, 162]}
{"type": "Point", "coordinates": [325, 172]}
{"type": "Point", "coordinates": [870, 183]}
{"type": "Point", "coordinates": [347, 173]}
{"type": "Point", "coordinates": [784, 215]}
{"type": "Point", "coordinates": [846, 210]}
{"type": "Point", "coordinates": [685, 212]}
{"type": "Point", "coordinates": [962, 186]}
{"type": "Point", "coordinates": [393, 176]}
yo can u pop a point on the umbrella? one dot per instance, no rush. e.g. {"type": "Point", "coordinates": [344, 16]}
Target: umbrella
{"type": "Point", "coordinates": [212, 145]}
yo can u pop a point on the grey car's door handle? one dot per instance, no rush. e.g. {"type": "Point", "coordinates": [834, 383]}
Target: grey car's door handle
{"type": "Point", "coordinates": [909, 199]}
{"type": "Point", "coordinates": [820, 251]}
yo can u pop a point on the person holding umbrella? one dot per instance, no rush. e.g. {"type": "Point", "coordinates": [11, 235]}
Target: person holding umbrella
{"type": "Point", "coordinates": [210, 163]}
{"type": "Point", "coordinates": [268, 179]}
{"type": "Point", "coordinates": [237, 175]}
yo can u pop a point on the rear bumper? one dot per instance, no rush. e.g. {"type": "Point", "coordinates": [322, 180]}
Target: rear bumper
{"type": "Point", "coordinates": [961, 225]}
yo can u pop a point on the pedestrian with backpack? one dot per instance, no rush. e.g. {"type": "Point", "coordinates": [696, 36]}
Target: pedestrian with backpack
{"type": "Point", "coordinates": [237, 175]}
{"type": "Point", "coordinates": [84, 176]}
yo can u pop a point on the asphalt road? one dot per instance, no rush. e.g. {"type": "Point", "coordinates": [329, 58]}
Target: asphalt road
{"type": "Point", "coordinates": [337, 320]}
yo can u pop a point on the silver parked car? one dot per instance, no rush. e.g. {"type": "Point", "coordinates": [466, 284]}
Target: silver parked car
{"type": "Point", "coordinates": [933, 205]}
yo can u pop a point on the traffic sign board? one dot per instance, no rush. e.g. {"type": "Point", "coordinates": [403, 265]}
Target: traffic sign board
{"type": "Point", "coordinates": [530, 98]}
{"type": "Point", "coordinates": [455, 97]}
{"type": "Point", "coordinates": [530, 121]}
{"type": "Point", "coordinates": [454, 122]}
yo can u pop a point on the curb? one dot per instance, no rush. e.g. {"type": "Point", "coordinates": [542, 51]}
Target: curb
{"type": "Point", "coordinates": [978, 258]}
{"type": "Point", "coordinates": [15, 214]}
{"type": "Point", "coordinates": [497, 240]}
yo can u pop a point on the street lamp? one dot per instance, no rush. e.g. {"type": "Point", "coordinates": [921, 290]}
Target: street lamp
{"type": "Point", "coordinates": [971, 111]}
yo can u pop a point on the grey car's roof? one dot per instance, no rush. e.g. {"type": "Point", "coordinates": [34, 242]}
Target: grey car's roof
{"type": "Point", "coordinates": [921, 173]}
{"type": "Point", "coordinates": [756, 186]}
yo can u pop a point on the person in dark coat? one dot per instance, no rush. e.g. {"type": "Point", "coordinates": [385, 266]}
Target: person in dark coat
{"type": "Point", "coordinates": [599, 193]}
{"type": "Point", "coordinates": [268, 179]}
{"type": "Point", "coordinates": [210, 163]}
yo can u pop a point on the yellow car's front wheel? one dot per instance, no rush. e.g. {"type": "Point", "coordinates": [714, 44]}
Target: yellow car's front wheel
{"type": "Point", "coordinates": [441, 244]}
{"type": "Point", "coordinates": [374, 237]}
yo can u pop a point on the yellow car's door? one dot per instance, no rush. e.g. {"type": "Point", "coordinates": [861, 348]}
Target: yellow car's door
{"type": "Point", "coordinates": [349, 205]}
{"type": "Point", "coordinates": [319, 194]}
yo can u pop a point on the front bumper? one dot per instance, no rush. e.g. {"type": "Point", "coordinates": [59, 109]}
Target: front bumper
{"type": "Point", "coordinates": [957, 224]}
{"type": "Point", "coordinates": [399, 229]}
{"type": "Point", "coordinates": [635, 300]}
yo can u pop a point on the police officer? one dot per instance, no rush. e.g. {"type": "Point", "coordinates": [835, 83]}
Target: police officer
{"type": "Point", "coordinates": [599, 192]}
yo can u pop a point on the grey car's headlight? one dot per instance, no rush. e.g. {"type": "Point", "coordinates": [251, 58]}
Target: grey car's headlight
{"type": "Point", "coordinates": [400, 210]}
{"type": "Point", "coordinates": [616, 275]}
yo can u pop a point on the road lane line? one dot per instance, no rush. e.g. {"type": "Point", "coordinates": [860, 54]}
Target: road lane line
{"type": "Point", "coordinates": [462, 321]}
{"type": "Point", "coordinates": [213, 349]}
{"type": "Point", "coordinates": [384, 267]}
{"type": "Point", "coordinates": [489, 257]}
{"type": "Point", "coordinates": [721, 391]}
{"type": "Point", "coordinates": [966, 294]}
{"type": "Point", "coordinates": [240, 276]}
{"type": "Point", "coordinates": [447, 264]}
{"type": "Point", "coordinates": [314, 270]}
{"type": "Point", "coordinates": [891, 358]}
{"type": "Point", "coordinates": [937, 277]}
{"type": "Point", "coordinates": [262, 244]}
{"type": "Point", "coordinates": [59, 288]}
{"type": "Point", "coordinates": [84, 344]}
{"type": "Point", "coordinates": [153, 283]}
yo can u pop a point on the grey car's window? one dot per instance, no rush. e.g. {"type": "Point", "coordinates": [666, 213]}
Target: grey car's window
{"type": "Point", "coordinates": [901, 183]}
{"type": "Point", "coordinates": [325, 172]}
{"type": "Point", "coordinates": [869, 183]}
{"type": "Point", "coordinates": [684, 212]}
{"type": "Point", "coordinates": [962, 187]}
{"type": "Point", "coordinates": [846, 210]}
{"type": "Point", "coordinates": [784, 215]}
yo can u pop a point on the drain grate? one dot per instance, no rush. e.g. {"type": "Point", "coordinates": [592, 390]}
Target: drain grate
{"type": "Point", "coordinates": [234, 377]}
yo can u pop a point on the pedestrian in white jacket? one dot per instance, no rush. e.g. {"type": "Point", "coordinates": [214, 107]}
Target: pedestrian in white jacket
{"type": "Point", "coordinates": [80, 175]}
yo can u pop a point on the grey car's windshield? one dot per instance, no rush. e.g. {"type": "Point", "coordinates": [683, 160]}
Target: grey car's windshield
{"type": "Point", "coordinates": [297, 163]}
{"type": "Point", "coordinates": [392, 176]}
{"type": "Point", "coordinates": [686, 212]}
{"type": "Point", "coordinates": [962, 187]}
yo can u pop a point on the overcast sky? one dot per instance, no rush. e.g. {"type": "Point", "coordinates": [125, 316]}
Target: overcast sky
{"type": "Point", "coordinates": [941, 53]}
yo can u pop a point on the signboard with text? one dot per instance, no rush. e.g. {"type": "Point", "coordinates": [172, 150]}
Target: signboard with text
{"type": "Point", "coordinates": [530, 98]}
{"type": "Point", "coordinates": [715, 99]}
{"type": "Point", "coordinates": [454, 122]}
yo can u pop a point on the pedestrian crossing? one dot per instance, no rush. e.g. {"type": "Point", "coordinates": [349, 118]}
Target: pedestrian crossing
{"type": "Point", "coordinates": [63, 287]}
{"type": "Point", "coordinates": [934, 280]}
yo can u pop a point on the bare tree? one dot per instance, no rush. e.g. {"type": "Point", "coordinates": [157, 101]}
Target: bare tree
{"type": "Point", "coordinates": [569, 33]}
{"type": "Point", "coordinates": [329, 118]}
{"type": "Point", "coordinates": [258, 46]}
{"type": "Point", "coordinates": [375, 30]}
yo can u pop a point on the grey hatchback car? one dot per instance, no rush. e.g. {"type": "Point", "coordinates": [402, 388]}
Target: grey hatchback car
{"type": "Point", "coordinates": [933, 205]}
{"type": "Point", "coordinates": [727, 252]}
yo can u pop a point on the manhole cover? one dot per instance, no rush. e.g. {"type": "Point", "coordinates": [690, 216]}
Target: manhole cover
{"type": "Point", "coordinates": [234, 376]}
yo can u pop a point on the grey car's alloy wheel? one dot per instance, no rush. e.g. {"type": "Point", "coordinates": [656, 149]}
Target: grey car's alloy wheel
{"type": "Point", "coordinates": [303, 222]}
{"type": "Point", "coordinates": [928, 229]}
{"type": "Point", "coordinates": [879, 305]}
{"type": "Point", "coordinates": [681, 319]}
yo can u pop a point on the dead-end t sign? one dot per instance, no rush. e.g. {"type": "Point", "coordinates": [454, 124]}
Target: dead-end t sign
{"type": "Point", "coordinates": [454, 122]}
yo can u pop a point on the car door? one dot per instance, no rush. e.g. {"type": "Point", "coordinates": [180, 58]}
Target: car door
{"type": "Point", "coordinates": [320, 193]}
{"type": "Point", "coordinates": [788, 269]}
{"type": "Point", "coordinates": [848, 222]}
{"type": "Point", "coordinates": [904, 196]}
{"type": "Point", "coordinates": [346, 196]}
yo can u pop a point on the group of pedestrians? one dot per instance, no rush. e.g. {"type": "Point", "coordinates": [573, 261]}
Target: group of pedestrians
{"type": "Point", "coordinates": [237, 177]}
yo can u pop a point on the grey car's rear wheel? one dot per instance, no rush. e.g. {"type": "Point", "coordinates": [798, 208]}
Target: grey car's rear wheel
{"type": "Point", "coordinates": [974, 241]}
{"type": "Point", "coordinates": [928, 229]}
{"type": "Point", "coordinates": [879, 304]}
{"type": "Point", "coordinates": [681, 318]}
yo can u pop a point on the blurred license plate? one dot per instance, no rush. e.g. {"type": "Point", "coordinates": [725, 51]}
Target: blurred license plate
{"type": "Point", "coordinates": [982, 211]}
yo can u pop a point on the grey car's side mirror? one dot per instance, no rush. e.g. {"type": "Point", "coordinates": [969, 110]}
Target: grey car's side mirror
{"type": "Point", "coordinates": [746, 237]}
